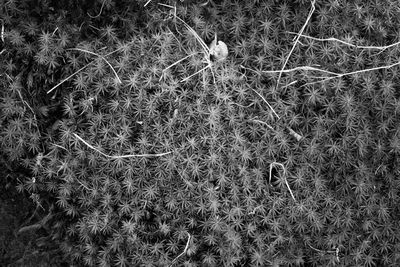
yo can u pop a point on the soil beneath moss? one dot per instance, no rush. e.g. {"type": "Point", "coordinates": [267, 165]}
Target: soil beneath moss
{"type": "Point", "coordinates": [18, 210]}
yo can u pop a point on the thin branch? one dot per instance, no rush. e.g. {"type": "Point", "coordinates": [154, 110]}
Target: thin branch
{"type": "Point", "coordinates": [33, 227]}
{"type": "Point", "coordinates": [242, 106]}
{"type": "Point", "coordinates": [266, 103]}
{"type": "Point", "coordinates": [76, 72]}
{"type": "Point", "coordinates": [22, 99]}
{"type": "Point", "coordinates": [101, 10]}
{"type": "Point", "coordinates": [184, 251]}
{"type": "Point", "coordinates": [102, 57]}
{"type": "Point", "coordinates": [38, 225]}
{"type": "Point", "coordinates": [290, 190]}
{"type": "Point", "coordinates": [87, 188]}
{"type": "Point", "coordinates": [307, 68]}
{"type": "Point", "coordinates": [294, 82]}
{"type": "Point", "coordinates": [336, 251]}
{"type": "Point", "coordinates": [69, 77]}
{"type": "Point", "coordinates": [297, 40]}
{"type": "Point", "coordinates": [262, 122]}
{"type": "Point", "coordinates": [177, 62]}
{"type": "Point", "coordinates": [119, 157]}
{"type": "Point", "coordinates": [273, 164]}
{"type": "Point", "coordinates": [202, 43]}
{"type": "Point", "coordinates": [2, 31]}
{"type": "Point", "coordinates": [335, 74]}
{"type": "Point", "coordinates": [27, 104]}
{"type": "Point", "coordinates": [59, 147]}
{"type": "Point", "coordinates": [198, 38]}
{"type": "Point", "coordinates": [190, 76]}
{"type": "Point", "coordinates": [346, 43]}
{"type": "Point", "coordinates": [339, 75]}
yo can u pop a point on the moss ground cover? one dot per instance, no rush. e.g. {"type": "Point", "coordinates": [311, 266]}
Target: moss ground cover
{"type": "Point", "coordinates": [139, 148]}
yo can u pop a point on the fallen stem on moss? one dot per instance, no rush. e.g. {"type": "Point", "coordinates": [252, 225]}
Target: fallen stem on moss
{"type": "Point", "coordinates": [101, 10]}
{"type": "Point", "coordinates": [266, 103]}
{"type": "Point", "coordinates": [339, 75]}
{"type": "Point", "coordinates": [66, 79]}
{"type": "Point", "coordinates": [184, 251]}
{"type": "Point", "coordinates": [296, 41]}
{"type": "Point", "coordinates": [122, 156]}
{"type": "Point", "coordinates": [273, 164]}
{"type": "Point", "coordinates": [103, 58]}
{"type": "Point", "coordinates": [332, 39]}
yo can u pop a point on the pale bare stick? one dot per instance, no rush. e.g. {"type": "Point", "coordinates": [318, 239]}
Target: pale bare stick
{"type": "Point", "coordinates": [266, 103]}
{"type": "Point", "coordinates": [76, 72]}
{"type": "Point", "coordinates": [22, 99]}
{"type": "Point", "coordinates": [198, 38]}
{"type": "Point", "coordinates": [177, 62]}
{"type": "Point", "coordinates": [60, 147]}
{"type": "Point", "coordinates": [296, 41]}
{"type": "Point", "coordinates": [323, 79]}
{"type": "Point", "coordinates": [2, 31]}
{"type": "Point", "coordinates": [273, 164]}
{"type": "Point", "coordinates": [203, 45]}
{"type": "Point", "coordinates": [27, 104]}
{"type": "Point", "coordinates": [84, 186]}
{"type": "Point", "coordinates": [336, 251]}
{"type": "Point", "coordinates": [69, 77]}
{"type": "Point", "coordinates": [187, 78]}
{"type": "Point", "coordinates": [347, 43]}
{"type": "Point", "coordinates": [173, 14]}
{"type": "Point", "coordinates": [338, 75]}
{"type": "Point", "coordinates": [102, 57]}
{"type": "Point", "coordinates": [148, 2]}
{"type": "Point", "coordinates": [184, 251]}
{"type": "Point", "coordinates": [294, 82]}
{"type": "Point", "coordinates": [328, 251]}
{"type": "Point", "coordinates": [262, 122]}
{"type": "Point", "coordinates": [119, 157]}
{"type": "Point", "coordinates": [291, 193]}
{"type": "Point", "coordinates": [306, 68]}
{"type": "Point", "coordinates": [101, 10]}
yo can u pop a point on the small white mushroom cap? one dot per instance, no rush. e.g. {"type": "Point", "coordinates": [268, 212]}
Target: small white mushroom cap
{"type": "Point", "coordinates": [218, 49]}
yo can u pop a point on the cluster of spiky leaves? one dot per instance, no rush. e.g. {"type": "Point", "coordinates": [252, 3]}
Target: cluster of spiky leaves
{"type": "Point", "coordinates": [215, 191]}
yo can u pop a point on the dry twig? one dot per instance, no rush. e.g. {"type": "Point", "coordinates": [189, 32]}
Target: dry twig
{"type": "Point", "coordinates": [184, 251]}
{"type": "Point", "coordinates": [266, 103]}
{"type": "Point", "coordinates": [2, 31]}
{"type": "Point", "coordinates": [336, 251]}
{"type": "Point", "coordinates": [306, 68]}
{"type": "Point", "coordinates": [148, 2]}
{"type": "Point", "coordinates": [122, 156]}
{"type": "Point", "coordinates": [262, 122]}
{"type": "Point", "coordinates": [332, 39]}
{"type": "Point", "coordinates": [66, 79]}
{"type": "Point", "coordinates": [273, 164]}
{"type": "Point", "coordinates": [101, 10]}
{"type": "Point", "coordinates": [296, 40]}
{"type": "Point", "coordinates": [102, 57]}
{"type": "Point", "coordinates": [339, 75]}
{"type": "Point", "coordinates": [205, 48]}
{"type": "Point", "coordinates": [76, 72]}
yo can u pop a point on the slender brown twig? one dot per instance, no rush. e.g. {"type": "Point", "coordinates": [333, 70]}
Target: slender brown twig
{"type": "Point", "coordinates": [122, 156]}
{"type": "Point", "coordinates": [184, 251]}
{"type": "Point", "coordinates": [273, 164]}
{"type": "Point", "coordinates": [296, 41]}
{"type": "Point", "coordinates": [332, 39]}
